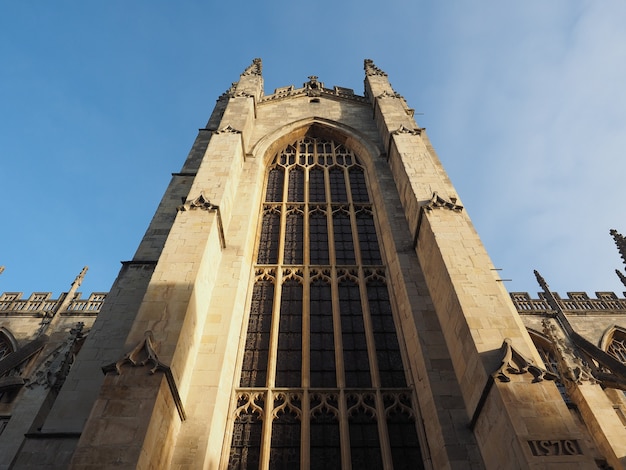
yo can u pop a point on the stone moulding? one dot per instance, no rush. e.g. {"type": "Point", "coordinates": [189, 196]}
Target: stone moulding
{"type": "Point", "coordinates": [435, 202]}
{"type": "Point", "coordinates": [228, 129]}
{"type": "Point", "coordinates": [334, 93]}
{"type": "Point", "coordinates": [387, 94]}
{"type": "Point", "coordinates": [201, 202]}
{"type": "Point", "coordinates": [407, 130]}
{"type": "Point", "coordinates": [514, 362]}
{"type": "Point", "coordinates": [144, 354]}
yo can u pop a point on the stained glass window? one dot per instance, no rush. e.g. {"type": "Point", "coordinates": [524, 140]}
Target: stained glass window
{"type": "Point", "coordinates": [322, 375]}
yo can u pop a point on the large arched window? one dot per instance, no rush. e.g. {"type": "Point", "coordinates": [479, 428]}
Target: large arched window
{"type": "Point", "coordinates": [322, 382]}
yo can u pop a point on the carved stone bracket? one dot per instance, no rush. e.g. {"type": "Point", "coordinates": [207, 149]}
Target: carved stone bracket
{"type": "Point", "coordinates": [436, 201]}
{"type": "Point", "coordinates": [406, 130]}
{"type": "Point", "coordinates": [371, 69]}
{"type": "Point", "coordinates": [228, 129]}
{"type": "Point", "coordinates": [514, 362]}
{"type": "Point", "coordinates": [201, 202]}
{"type": "Point", "coordinates": [387, 94]}
{"type": "Point", "coordinates": [144, 354]}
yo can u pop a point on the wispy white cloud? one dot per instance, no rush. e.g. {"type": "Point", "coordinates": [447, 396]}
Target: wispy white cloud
{"type": "Point", "coordinates": [523, 102]}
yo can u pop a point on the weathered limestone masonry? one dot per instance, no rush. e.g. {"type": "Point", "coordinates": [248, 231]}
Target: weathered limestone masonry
{"type": "Point", "coordinates": [39, 337]}
{"type": "Point", "coordinates": [475, 312]}
{"type": "Point", "coordinates": [159, 381]}
{"type": "Point", "coordinates": [574, 329]}
{"type": "Point", "coordinates": [174, 309]}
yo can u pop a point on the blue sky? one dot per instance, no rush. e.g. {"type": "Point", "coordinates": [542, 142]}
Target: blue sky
{"type": "Point", "coordinates": [524, 102]}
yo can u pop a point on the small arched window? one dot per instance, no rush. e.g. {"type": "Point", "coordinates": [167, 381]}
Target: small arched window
{"type": "Point", "coordinates": [616, 344]}
{"type": "Point", "coordinates": [7, 343]}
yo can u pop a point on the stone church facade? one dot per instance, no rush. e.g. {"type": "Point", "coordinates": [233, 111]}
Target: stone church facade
{"type": "Point", "coordinates": [311, 293]}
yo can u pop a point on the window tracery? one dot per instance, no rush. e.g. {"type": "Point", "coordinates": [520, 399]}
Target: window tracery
{"type": "Point", "coordinates": [617, 345]}
{"type": "Point", "coordinates": [321, 377]}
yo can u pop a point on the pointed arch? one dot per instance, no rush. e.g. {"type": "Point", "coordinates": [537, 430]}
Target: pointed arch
{"type": "Point", "coordinates": [326, 327]}
{"type": "Point", "coordinates": [267, 146]}
{"type": "Point", "coordinates": [8, 343]}
{"type": "Point", "coordinates": [545, 347]}
{"type": "Point", "coordinates": [613, 341]}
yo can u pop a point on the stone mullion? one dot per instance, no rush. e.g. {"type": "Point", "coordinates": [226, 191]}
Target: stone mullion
{"type": "Point", "coordinates": [283, 220]}
{"type": "Point", "coordinates": [369, 335]}
{"type": "Point", "coordinates": [266, 435]}
{"type": "Point", "coordinates": [306, 326]}
{"type": "Point", "coordinates": [306, 255]}
{"type": "Point", "coordinates": [344, 431]}
{"type": "Point", "coordinates": [383, 433]}
{"type": "Point", "coordinates": [266, 439]}
{"type": "Point", "coordinates": [305, 431]}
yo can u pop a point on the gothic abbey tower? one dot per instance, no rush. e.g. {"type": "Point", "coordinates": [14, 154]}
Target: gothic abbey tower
{"type": "Point", "coordinates": [311, 293]}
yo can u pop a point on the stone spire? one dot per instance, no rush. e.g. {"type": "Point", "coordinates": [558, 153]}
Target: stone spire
{"type": "Point", "coordinates": [255, 68]}
{"type": "Point", "coordinates": [620, 241]}
{"type": "Point", "coordinates": [371, 69]}
{"type": "Point", "coordinates": [52, 316]}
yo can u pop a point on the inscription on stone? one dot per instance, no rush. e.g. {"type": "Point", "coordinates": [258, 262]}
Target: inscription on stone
{"type": "Point", "coordinates": [549, 448]}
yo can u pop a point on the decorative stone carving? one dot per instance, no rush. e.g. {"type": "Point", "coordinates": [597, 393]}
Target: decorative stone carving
{"type": "Point", "coordinates": [581, 360]}
{"type": "Point", "coordinates": [52, 372]}
{"type": "Point", "coordinates": [439, 202]}
{"type": "Point", "coordinates": [313, 87]}
{"type": "Point", "coordinates": [141, 355]}
{"type": "Point", "coordinates": [228, 129]}
{"type": "Point", "coordinates": [514, 362]}
{"type": "Point", "coordinates": [406, 130]}
{"type": "Point", "coordinates": [15, 359]}
{"type": "Point", "coordinates": [371, 69]}
{"type": "Point", "coordinates": [620, 241]}
{"type": "Point", "coordinates": [201, 202]}
{"type": "Point", "coordinates": [255, 68]}
{"type": "Point", "coordinates": [571, 367]}
{"type": "Point", "coordinates": [144, 354]}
